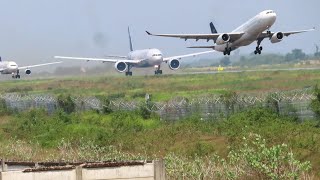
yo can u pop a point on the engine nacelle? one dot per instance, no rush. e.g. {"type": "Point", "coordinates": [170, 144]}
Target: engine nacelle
{"type": "Point", "coordinates": [277, 37]}
{"type": "Point", "coordinates": [28, 71]}
{"type": "Point", "coordinates": [223, 39]}
{"type": "Point", "coordinates": [121, 66]}
{"type": "Point", "coordinates": [174, 64]}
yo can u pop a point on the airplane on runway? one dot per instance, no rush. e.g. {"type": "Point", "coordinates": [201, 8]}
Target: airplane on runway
{"type": "Point", "coordinates": [256, 29]}
{"type": "Point", "coordinates": [11, 67]}
{"type": "Point", "coordinates": [140, 59]}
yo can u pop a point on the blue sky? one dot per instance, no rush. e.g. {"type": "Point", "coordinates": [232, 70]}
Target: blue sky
{"type": "Point", "coordinates": [36, 30]}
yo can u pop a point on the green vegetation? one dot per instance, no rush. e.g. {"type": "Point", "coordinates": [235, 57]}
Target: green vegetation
{"type": "Point", "coordinates": [119, 135]}
{"type": "Point", "coordinates": [166, 87]}
{"type": "Point", "coordinates": [257, 143]}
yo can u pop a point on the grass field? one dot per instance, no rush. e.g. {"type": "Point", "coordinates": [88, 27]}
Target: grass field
{"type": "Point", "coordinates": [169, 86]}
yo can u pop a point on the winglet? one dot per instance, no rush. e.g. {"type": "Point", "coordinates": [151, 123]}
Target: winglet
{"type": "Point", "coordinates": [148, 33]}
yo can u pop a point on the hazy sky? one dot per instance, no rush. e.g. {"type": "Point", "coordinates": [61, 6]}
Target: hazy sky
{"type": "Point", "coordinates": [35, 30]}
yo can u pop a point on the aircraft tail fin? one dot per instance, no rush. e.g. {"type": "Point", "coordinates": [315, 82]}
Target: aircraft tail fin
{"type": "Point", "coordinates": [213, 29]}
{"type": "Point", "coordinates": [130, 40]}
{"type": "Point", "coordinates": [203, 47]}
{"type": "Point", "coordinates": [0, 59]}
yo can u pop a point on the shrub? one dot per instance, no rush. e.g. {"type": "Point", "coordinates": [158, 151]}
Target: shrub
{"type": "Point", "coordinates": [66, 103]}
{"type": "Point", "coordinates": [315, 103]}
{"type": "Point", "coordinates": [253, 160]}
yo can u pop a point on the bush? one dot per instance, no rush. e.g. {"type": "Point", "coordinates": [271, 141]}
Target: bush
{"type": "Point", "coordinates": [66, 103]}
{"type": "Point", "coordinates": [252, 160]}
{"type": "Point", "coordinates": [315, 103]}
{"type": "Point", "coordinates": [3, 108]}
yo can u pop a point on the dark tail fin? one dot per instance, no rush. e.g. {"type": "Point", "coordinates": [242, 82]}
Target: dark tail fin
{"type": "Point", "coordinates": [130, 41]}
{"type": "Point", "coordinates": [213, 29]}
{"type": "Point", "coordinates": [0, 59]}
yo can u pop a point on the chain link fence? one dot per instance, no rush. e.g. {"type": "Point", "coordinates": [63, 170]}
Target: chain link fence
{"type": "Point", "coordinates": [291, 103]}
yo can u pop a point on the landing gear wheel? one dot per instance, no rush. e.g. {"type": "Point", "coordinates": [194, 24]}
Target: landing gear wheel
{"type": "Point", "coordinates": [158, 72]}
{"type": "Point", "coordinates": [227, 51]}
{"type": "Point", "coordinates": [17, 76]}
{"type": "Point", "coordinates": [258, 50]}
{"type": "Point", "coordinates": [128, 73]}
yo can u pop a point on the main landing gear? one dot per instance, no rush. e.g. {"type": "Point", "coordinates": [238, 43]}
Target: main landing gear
{"type": "Point", "coordinates": [128, 72]}
{"type": "Point", "coordinates": [258, 48]}
{"type": "Point", "coordinates": [16, 76]}
{"type": "Point", "coordinates": [227, 51]}
{"type": "Point", "coordinates": [158, 70]}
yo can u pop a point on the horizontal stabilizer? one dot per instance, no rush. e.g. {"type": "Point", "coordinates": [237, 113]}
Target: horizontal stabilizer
{"type": "Point", "coordinates": [202, 47]}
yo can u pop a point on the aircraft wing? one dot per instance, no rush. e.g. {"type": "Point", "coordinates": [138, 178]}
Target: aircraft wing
{"type": "Point", "coordinates": [265, 34]}
{"type": "Point", "coordinates": [100, 59]}
{"type": "Point", "coordinates": [115, 56]}
{"type": "Point", "coordinates": [186, 55]}
{"type": "Point", "coordinates": [233, 36]}
{"type": "Point", "coordinates": [3, 69]}
{"type": "Point", "coordinates": [38, 65]}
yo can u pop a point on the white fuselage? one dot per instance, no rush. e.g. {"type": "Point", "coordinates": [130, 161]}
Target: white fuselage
{"type": "Point", "coordinates": [9, 67]}
{"type": "Point", "coordinates": [251, 29]}
{"type": "Point", "coordinates": [151, 57]}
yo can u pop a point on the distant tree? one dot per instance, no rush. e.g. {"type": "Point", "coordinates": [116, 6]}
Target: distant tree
{"type": "Point", "coordinates": [296, 54]}
{"type": "Point", "coordinates": [317, 53]}
{"type": "Point", "coordinates": [225, 61]}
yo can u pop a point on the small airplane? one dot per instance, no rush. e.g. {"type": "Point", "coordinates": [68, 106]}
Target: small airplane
{"type": "Point", "coordinates": [11, 67]}
{"type": "Point", "coordinates": [255, 29]}
{"type": "Point", "coordinates": [140, 59]}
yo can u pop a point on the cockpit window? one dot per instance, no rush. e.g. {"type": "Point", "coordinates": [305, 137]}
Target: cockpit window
{"type": "Point", "coordinates": [156, 55]}
{"type": "Point", "coordinates": [13, 65]}
{"type": "Point", "coordinates": [270, 12]}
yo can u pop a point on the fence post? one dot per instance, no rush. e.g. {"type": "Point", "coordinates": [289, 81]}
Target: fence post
{"type": "Point", "coordinates": [1, 169]}
{"type": "Point", "coordinates": [79, 173]}
{"type": "Point", "coordinates": [159, 170]}
{"type": "Point", "coordinates": [3, 166]}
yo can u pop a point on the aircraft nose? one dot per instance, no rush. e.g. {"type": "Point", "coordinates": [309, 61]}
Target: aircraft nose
{"type": "Point", "coordinates": [158, 58]}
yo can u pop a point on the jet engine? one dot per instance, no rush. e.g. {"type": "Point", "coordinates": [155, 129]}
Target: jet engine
{"type": "Point", "coordinates": [174, 64]}
{"type": "Point", "coordinates": [121, 66]}
{"type": "Point", "coordinates": [222, 39]}
{"type": "Point", "coordinates": [28, 71]}
{"type": "Point", "coordinates": [277, 37]}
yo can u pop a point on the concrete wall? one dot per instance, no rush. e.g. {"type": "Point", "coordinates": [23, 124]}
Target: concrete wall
{"type": "Point", "coordinates": [149, 171]}
{"type": "Point", "coordinates": [48, 175]}
{"type": "Point", "coordinates": [145, 172]}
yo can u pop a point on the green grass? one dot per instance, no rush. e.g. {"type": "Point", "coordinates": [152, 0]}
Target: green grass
{"type": "Point", "coordinates": [167, 87]}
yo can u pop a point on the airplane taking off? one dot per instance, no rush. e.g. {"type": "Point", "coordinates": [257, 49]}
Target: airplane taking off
{"type": "Point", "coordinates": [256, 29]}
{"type": "Point", "coordinates": [11, 67]}
{"type": "Point", "coordinates": [140, 59]}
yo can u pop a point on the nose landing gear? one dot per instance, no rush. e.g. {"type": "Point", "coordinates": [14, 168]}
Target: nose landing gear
{"type": "Point", "coordinates": [128, 72]}
{"type": "Point", "coordinates": [158, 70]}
